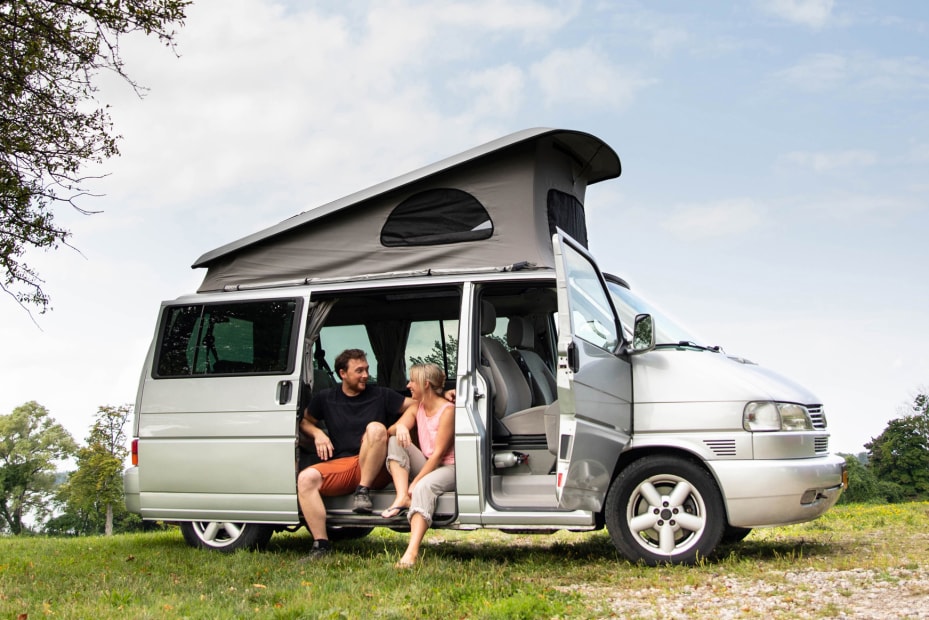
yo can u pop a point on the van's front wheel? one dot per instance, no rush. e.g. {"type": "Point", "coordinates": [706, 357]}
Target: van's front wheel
{"type": "Point", "coordinates": [226, 536]}
{"type": "Point", "coordinates": [664, 509]}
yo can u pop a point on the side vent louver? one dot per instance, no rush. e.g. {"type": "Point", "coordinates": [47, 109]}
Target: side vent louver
{"type": "Point", "coordinates": [817, 416]}
{"type": "Point", "coordinates": [821, 445]}
{"type": "Point", "coordinates": [721, 447]}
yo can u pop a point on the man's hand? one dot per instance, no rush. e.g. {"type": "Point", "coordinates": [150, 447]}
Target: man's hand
{"type": "Point", "coordinates": [323, 447]}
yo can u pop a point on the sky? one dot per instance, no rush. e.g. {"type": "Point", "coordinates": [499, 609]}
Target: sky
{"type": "Point", "coordinates": [774, 194]}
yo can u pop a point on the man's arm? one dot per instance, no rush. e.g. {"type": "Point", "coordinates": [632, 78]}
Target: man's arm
{"type": "Point", "coordinates": [409, 402]}
{"type": "Point", "coordinates": [321, 442]}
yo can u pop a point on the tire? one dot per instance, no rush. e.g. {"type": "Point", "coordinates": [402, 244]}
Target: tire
{"type": "Point", "coordinates": [733, 535]}
{"type": "Point", "coordinates": [225, 536]}
{"type": "Point", "coordinates": [664, 510]}
{"type": "Point", "coordinates": [336, 533]}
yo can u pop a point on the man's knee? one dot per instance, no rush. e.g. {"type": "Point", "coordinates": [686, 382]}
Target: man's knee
{"type": "Point", "coordinates": [309, 480]}
{"type": "Point", "coordinates": [377, 432]}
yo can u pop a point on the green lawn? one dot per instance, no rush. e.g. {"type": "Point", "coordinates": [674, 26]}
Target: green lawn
{"type": "Point", "coordinates": [462, 574]}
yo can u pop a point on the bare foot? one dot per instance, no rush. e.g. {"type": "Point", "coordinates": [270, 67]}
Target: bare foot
{"type": "Point", "coordinates": [394, 511]}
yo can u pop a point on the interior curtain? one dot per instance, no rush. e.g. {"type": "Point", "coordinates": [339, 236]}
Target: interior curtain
{"type": "Point", "coordinates": [318, 313]}
{"type": "Point", "coordinates": [387, 339]}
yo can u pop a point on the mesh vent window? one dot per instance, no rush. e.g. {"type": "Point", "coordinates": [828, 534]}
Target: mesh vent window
{"type": "Point", "coordinates": [437, 216]}
{"type": "Point", "coordinates": [567, 213]}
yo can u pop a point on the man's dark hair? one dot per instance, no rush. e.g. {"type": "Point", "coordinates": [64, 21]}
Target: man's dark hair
{"type": "Point", "coordinates": [341, 362]}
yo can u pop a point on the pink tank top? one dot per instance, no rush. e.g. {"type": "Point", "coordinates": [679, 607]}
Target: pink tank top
{"type": "Point", "coordinates": [428, 428]}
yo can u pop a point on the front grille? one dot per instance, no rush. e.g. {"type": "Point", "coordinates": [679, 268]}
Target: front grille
{"type": "Point", "coordinates": [721, 447]}
{"type": "Point", "coordinates": [818, 416]}
{"type": "Point", "coordinates": [821, 445]}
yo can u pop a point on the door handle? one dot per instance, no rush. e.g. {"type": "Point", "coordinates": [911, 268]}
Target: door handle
{"type": "Point", "coordinates": [573, 362]}
{"type": "Point", "coordinates": [284, 390]}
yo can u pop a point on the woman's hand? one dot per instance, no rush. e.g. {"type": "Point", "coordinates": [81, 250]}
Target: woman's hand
{"type": "Point", "coordinates": [403, 436]}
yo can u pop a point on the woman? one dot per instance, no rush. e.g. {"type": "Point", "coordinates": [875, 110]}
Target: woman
{"type": "Point", "coordinates": [432, 464]}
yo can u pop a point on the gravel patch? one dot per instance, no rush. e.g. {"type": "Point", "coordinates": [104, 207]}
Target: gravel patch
{"type": "Point", "coordinates": [858, 593]}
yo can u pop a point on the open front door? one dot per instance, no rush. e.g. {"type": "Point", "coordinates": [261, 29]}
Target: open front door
{"type": "Point", "coordinates": [594, 382]}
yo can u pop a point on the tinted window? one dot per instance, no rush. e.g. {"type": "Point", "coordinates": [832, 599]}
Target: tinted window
{"type": "Point", "coordinates": [238, 338]}
{"type": "Point", "coordinates": [434, 342]}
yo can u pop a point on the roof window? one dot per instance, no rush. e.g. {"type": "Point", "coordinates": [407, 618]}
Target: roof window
{"type": "Point", "coordinates": [437, 216]}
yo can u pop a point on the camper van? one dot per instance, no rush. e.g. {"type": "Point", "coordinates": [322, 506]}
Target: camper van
{"type": "Point", "coordinates": [578, 405]}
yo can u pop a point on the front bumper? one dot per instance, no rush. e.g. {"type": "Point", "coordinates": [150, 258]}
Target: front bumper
{"type": "Point", "coordinates": [764, 493]}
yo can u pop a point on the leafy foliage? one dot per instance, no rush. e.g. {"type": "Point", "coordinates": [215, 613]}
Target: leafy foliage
{"type": "Point", "coordinates": [51, 125]}
{"type": "Point", "coordinates": [900, 454]}
{"type": "Point", "coordinates": [865, 487]}
{"type": "Point", "coordinates": [93, 494]}
{"type": "Point", "coordinates": [445, 357]}
{"type": "Point", "coordinates": [30, 443]}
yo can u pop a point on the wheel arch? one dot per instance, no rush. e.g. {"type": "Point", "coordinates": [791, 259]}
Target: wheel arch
{"type": "Point", "coordinates": [630, 456]}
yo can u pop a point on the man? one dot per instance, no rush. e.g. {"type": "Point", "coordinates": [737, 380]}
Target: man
{"type": "Point", "coordinates": [354, 452]}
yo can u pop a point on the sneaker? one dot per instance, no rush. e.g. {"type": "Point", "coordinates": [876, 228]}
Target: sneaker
{"type": "Point", "coordinates": [362, 501]}
{"type": "Point", "coordinates": [317, 552]}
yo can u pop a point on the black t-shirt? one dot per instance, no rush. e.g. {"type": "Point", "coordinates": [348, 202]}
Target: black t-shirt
{"type": "Point", "coordinates": [347, 417]}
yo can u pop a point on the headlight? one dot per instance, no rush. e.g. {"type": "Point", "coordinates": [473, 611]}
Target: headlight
{"type": "Point", "coordinates": [770, 416]}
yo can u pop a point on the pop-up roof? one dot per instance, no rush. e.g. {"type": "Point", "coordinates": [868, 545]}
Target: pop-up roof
{"type": "Point", "coordinates": [494, 206]}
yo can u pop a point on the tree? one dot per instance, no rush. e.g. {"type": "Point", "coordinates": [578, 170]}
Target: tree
{"type": "Point", "coordinates": [30, 443]}
{"type": "Point", "coordinates": [93, 494]}
{"type": "Point", "coordinates": [901, 453]}
{"type": "Point", "coordinates": [51, 124]}
{"type": "Point", "coordinates": [865, 487]}
{"type": "Point", "coordinates": [439, 355]}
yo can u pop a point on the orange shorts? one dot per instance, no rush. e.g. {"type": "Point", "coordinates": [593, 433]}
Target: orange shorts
{"type": "Point", "coordinates": [342, 476]}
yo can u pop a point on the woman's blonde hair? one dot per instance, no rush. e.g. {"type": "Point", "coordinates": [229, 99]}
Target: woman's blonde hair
{"type": "Point", "coordinates": [421, 374]}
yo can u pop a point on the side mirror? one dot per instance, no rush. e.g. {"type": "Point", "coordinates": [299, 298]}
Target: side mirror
{"type": "Point", "coordinates": [643, 335]}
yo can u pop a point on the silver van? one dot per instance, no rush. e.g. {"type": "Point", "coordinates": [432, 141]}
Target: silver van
{"type": "Point", "coordinates": [578, 405]}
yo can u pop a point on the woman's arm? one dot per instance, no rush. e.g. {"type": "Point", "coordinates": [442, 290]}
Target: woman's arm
{"type": "Point", "coordinates": [402, 427]}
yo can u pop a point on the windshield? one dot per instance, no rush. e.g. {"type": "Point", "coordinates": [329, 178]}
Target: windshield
{"type": "Point", "coordinates": [667, 330]}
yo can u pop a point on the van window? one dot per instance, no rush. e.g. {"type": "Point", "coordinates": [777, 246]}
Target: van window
{"type": "Point", "coordinates": [437, 216]}
{"type": "Point", "coordinates": [396, 327]}
{"type": "Point", "coordinates": [434, 342]}
{"type": "Point", "coordinates": [592, 316]}
{"type": "Point", "coordinates": [341, 337]}
{"type": "Point", "coordinates": [221, 339]}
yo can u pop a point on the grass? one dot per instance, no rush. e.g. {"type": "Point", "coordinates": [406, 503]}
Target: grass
{"type": "Point", "coordinates": [484, 574]}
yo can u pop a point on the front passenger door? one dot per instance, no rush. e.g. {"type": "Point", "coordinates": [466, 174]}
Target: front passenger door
{"type": "Point", "coordinates": [594, 382]}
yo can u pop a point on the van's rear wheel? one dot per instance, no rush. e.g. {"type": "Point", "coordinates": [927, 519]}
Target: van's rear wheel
{"type": "Point", "coordinates": [226, 536]}
{"type": "Point", "coordinates": [664, 509]}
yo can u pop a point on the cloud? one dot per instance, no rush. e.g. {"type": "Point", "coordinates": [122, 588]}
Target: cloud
{"type": "Point", "coordinates": [811, 13]}
{"type": "Point", "coordinates": [665, 41]}
{"type": "Point", "coordinates": [827, 161]}
{"type": "Point", "coordinates": [863, 209]}
{"type": "Point", "coordinates": [713, 220]}
{"type": "Point", "coordinates": [818, 72]}
{"type": "Point", "coordinates": [860, 74]}
{"type": "Point", "coordinates": [497, 90]}
{"type": "Point", "coordinates": [269, 108]}
{"type": "Point", "coordinates": [585, 76]}
{"type": "Point", "coordinates": [918, 153]}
